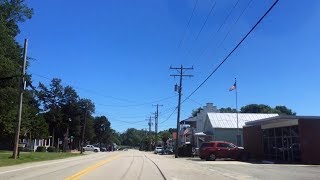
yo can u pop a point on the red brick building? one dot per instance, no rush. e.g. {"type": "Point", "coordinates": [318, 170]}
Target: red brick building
{"type": "Point", "coordinates": [293, 139]}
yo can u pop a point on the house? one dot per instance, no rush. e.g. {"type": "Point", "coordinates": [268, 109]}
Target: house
{"type": "Point", "coordinates": [33, 144]}
{"type": "Point", "coordinates": [284, 139]}
{"type": "Point", "coordinates": [228, 126]}
{"type": "Point", "coordinates": [209, 124]}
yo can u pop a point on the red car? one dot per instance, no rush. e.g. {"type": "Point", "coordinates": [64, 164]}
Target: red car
{"type": "Point", "coordinates": [221, 149]}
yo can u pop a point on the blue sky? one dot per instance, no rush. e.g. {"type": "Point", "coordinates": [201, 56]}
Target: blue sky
{"type": "Point", "coordinates": [118, 54]}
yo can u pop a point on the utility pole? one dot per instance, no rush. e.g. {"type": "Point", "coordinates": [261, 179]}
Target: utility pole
{"type": "Point", "coordinates": [156, 119]}
{"type": "Point", "coordinates": [22, 87]}
{"type": "Point", "coordinates": [150, 124]}
{"type": "Point", "coordinates": [84, 127]}
{"type": "Point", "coordinates": [179, 89]}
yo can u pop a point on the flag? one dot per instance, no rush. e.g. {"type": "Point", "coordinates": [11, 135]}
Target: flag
{"type": "Point", "coordinates": [233, 87]}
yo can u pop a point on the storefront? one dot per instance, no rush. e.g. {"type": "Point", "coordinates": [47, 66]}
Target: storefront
{"type": "Point", "coordinates": [293, 139]}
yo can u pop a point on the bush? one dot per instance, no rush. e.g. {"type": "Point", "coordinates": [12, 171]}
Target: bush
{"type": "Point", "coordinates": [52, 149]}
{"type": "Point", "coordinates": [41, 149]}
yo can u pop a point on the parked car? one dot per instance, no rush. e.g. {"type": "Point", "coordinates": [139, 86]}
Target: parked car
{"type": "Point", "coordinates": [168, 150]}
{"type": "Point", "coordinates": [221, 149]}
{"type": "Point", "coordinates": [158, 150]}
{"type": "Point", "coordinates": [91, 148]}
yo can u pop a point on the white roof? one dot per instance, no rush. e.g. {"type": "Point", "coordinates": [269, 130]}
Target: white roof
{"type": "Point", "coordinates": [229, 120]}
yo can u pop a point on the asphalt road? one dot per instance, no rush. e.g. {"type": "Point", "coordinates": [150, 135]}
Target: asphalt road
{"type": "Point", "coordinates": [136, 165]}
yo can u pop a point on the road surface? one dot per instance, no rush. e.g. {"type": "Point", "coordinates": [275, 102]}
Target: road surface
{"type": "Point", "coordinates": [136, 165]}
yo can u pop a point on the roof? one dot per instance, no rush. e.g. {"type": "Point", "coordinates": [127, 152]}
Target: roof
{"type": "Point", "coordinates": [229, 120]}
{"type": "Point", "coordinates": [280, 119]}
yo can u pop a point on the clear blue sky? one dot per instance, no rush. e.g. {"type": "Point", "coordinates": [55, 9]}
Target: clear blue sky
{"type": "Point", "coordinates": [118, 54]}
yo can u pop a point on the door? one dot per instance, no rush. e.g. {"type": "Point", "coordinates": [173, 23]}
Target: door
{"type": "Point", "coordinates": [223, 150]}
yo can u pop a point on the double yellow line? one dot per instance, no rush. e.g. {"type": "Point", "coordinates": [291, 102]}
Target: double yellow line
{"type": "Point", "coordinates": [91, 168]}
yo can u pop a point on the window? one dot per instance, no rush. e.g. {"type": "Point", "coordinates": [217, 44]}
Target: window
{"type": "Point", "coordinates": [223, 145]}
{"type": "Point", "coordinates": [231, 146]}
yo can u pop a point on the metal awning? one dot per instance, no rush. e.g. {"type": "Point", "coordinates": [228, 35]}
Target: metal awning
{"type": "Point", "coordinates": [200, 134]}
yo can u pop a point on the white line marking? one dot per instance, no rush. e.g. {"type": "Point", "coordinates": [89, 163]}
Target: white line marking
{"type": "Point", "coordinates": [29, 167]}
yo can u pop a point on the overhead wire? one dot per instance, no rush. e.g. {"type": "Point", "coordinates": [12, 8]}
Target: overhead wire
{"type": "Point", "coordinates": [232, 51]}
{"type": "Point", "coordinates": [111, 105]}
{"type": "Point", "coordinates": [220, 27]}
{"type": "Point", "coordinates": [205, 22]}
{"type": "Point", "coordinates": [188, 24]}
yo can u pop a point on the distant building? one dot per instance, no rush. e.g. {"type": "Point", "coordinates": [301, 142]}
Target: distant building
{"type": "Point", "coordinates": [211, 125]}
{"type": "Point", "coordinates": [223, 126]}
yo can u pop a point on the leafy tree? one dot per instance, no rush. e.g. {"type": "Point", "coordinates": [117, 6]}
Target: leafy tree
{"type": "Point", "coordinates": [103, 133]}
{"type": "Point", "coordinates": [132, 137]}
{"type": "Point", "coordinates": [262, 108]}
{"type": "Point", "coordinates": [87, 108]}
{"type": "Point", "coordinates": [12, 13]}
{"type": "Point", "coordinates": [115, 137]}
{"type": "Point", "coordinates": [165, 135]}
{"type": "Point", "coordinates": [257, 108]}
{"type": "Point", "coordinates": [51, 100]}
{"type": "Point", "coordinates": [196, 111]}
{"type": "Point", "coordinates": [227, 110]}
{"type": "Point", "coordinates": [284, 110]}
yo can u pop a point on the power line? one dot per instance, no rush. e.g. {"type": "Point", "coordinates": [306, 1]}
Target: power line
{"type": "Point", "coordinates": [84, 89]}
{"type": "Point", "coordinates": [135, 105]}
{"type": "Point", "coordinates": [188, 24]}
{"type": "Point", "coordinates": [222, 24]}
{"type": "Point", "coordinates": [231, 28]}
{"type": "Point", "coordinates": [205, 22]}
{"type": "Point", "coordinates": [236, 47]}
{"type": "Point", "coordinates": [111, 105]}
{"type": "Point", "coordinates": [169, 115]}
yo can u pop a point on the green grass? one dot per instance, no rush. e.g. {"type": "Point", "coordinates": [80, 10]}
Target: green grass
{"type": "Point", "coordinates": [6, 160]}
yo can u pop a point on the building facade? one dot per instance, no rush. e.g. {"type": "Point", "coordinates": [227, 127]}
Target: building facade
{"type": "Point", "coordinates": [293, 139]}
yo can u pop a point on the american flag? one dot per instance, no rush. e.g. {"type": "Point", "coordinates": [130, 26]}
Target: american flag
{"type": "Point", "coordinates": [233, 87]}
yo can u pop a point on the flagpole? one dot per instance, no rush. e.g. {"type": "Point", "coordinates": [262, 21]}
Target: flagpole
{"type": "Point", "coordinates": [238, 132]}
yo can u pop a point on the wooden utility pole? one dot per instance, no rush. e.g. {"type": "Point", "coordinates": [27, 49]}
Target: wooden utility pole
{"type": "Point", "coordinates": [84, 128]}
{"type": "Point", "coordinates": [22, 84]}
{"type": "Point", "coordinates": [179, 89]}
{"type": "Point", "coordinates": [156, 119]}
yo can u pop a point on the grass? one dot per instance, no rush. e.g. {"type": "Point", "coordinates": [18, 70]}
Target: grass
{"type": "Point", "coordinates": [25, 157]}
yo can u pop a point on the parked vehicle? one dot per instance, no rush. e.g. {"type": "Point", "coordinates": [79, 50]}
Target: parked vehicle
{"type": "Point", "coordinates": [221, 149]}
{"type": "Point", "coordinates": [158, 150]}
{"type": "Point", "coordinates": [91, 148]}
{"type": "Point", "coordinates": [168, 150]}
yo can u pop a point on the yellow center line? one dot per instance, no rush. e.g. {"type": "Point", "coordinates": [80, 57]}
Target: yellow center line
{"type": "Point", "coordinates": [91, 168]}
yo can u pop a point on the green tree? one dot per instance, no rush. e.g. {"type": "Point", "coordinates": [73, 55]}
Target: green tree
{"type": "Point", "coordinates": [284, 110]}
{"type": "Point", "coordinates": [132, 137]}
{"type": "Point", "coordinates": [257, 108]}
{"type": "Point", "coordinates": [227, 110]}
{"type": "Point", "coordinates": [103, 133]}
{"type": "Point", "coordinates": [12, 13]}
{"type": "Point", "coordinates": [196, 111]}
{"type": "Point", "coordinates": [87, 108]}
{"type": "Point", "coordinates": [262, 108]}
{"type": "Point", "coordinates": [51, 100]}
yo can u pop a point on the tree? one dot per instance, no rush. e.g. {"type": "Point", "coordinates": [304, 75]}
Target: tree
{"type": "Point", "coordinates": [227, 110]}
{"type": "Point", "coordinates": [196, 111]}
{"type": "Point", "coordinates": [132, 137]}
{"type": "Point", "coordinates": [256, 108]}
{"type": "Point", "coordinates": [103, 133]}
{"type": "Point", "coordinates": [284, 110]}
{"type": "Point", "coordinates": [11, 13]}
{"type": "Point", "coordinates": [51, 100]}
{"type": "Point", "coordinates": [165, 135]}
{"type": "Point", "coordinates": [262, 108]}
{"type": "Point", "coordinates": [87, 108]}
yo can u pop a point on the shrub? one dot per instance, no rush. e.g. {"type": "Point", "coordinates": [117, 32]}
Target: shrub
{"type": "Point", "coordinates": [52, 149]}
{"type": "Point", "coordinates": [41, 149]}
